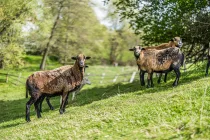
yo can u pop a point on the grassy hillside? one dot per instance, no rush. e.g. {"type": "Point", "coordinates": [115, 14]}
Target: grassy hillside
{"type": "Point", "coordinates": [107, 110]}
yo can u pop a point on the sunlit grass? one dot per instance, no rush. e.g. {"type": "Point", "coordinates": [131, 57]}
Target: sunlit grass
{"type": "Point", "coordinates": [108, 110]}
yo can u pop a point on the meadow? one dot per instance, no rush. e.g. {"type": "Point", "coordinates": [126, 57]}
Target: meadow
{"type": "Point", "coordinates": [107, 110]}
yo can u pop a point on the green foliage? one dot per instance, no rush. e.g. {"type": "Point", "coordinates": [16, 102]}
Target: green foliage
{"type": "Point", "coordinates": [117, 44]}
{"type": "Point", "coordinates": [11, 11]}
{"type": "Point", "coordinates": [158, 21]}
{"type": "Point", "coordinates": [77, 31]}
{"type": "Point", "coordinates": [11, 56]}
{"type": "Point", "coordinates": [157, 24]}
{"type": "Point", "coordinates": [12, 15]}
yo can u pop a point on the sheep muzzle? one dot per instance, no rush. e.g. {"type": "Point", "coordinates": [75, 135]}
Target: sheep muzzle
{"type": "Point", "coordinates": [81, 64]}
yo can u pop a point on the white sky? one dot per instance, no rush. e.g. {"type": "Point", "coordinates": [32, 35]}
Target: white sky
{"type": "Point", "coordinates": [101, 12]}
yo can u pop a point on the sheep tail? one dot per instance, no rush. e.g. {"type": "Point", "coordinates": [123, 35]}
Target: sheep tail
{"type": "Point", "coordinates": [26, 89]}
{"type": "Point", "coordinates": [182, 60]}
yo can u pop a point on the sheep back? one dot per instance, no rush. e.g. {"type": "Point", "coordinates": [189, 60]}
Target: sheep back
{"type": "Point", "coordinates": [159, 60]}
{"type": "Point", "coordinates": [62, 79]}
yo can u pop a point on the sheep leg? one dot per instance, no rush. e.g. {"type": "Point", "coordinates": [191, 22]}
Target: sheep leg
{"type": "Point", "coordinates": [49, 104]}
{"type": "Point", "coordinates": [159, 78]}
{"type": "Point", "coordinates": [62, 106]}
{"type": "Point", "coordinates": [36, 105]}
{"type": "Point", "coordinates": [40, 104]}
{"type": "Point", "coordinates": [149, 80]}
{"type": "Point", "coordinates": [177, 71]}
{"type": "Point", "coordinates": [66, 103]}
{"type": "Point", "coordinates": [73, 96]}
{"type": "Point", "coordinates": [165, 78]}
{"type": "Point", "coordinates": [207, 67]}
{"type": "Point", "coordinates": [141, 75]}
{"type": "Point", "coordinates": [139, 79]}
{"type": "Point", "coordinates": [28, 105]}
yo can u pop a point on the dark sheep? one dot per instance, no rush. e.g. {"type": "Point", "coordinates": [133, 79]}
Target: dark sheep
{"type": "Point", "coordinates": [55, 82]}
{"type": "Point", "coordinates": [165, 60]}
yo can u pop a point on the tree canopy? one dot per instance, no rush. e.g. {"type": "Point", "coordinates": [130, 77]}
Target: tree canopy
{"type": "Point", "coordinates": [64, 28]}
{"type": "Point", "coordinates": [60, 29]}
{"type": "Point", "coordinates": [160, 20]}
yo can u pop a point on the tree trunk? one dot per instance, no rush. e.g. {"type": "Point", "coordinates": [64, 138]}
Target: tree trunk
{"type": "Point", "coordinates": [44, 58]}
{"type": "Point", "coordinates": [113, 49]}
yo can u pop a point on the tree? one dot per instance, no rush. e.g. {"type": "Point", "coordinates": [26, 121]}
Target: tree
{"type": "Point", "coordinates": [12, 14]}
{"type": "Point", "coordinates": [64, 29]}
{"type": "Point", "coordinates": [46, 51]}
{"type": "Point", "coordinates": [158, 21]}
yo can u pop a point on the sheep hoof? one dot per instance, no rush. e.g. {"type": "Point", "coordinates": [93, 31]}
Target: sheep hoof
{"type": "Point", "coordinates": [158, 81]}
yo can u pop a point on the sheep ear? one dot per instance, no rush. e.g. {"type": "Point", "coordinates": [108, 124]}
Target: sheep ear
{"type": "Point", "coordinates": [74, 58]}
{"type": "Point", "coordinates": [88, 57]}
{"type": "Point", "coordinates": [86, 66]}
{"type": "Point", "coordinates": [131, 49]}
{"type": "Point", "coordinates": [143, 49]}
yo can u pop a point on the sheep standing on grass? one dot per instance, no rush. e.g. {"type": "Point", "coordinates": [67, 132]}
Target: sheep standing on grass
{"type": "Point", "coordinates": [84, 82]}
{"type": "Point", "coordinates": [152, 60]}
{"type": "Point", "coordinates": [174, 42]}
{"type": "Point", "coordinates": [55, 82]}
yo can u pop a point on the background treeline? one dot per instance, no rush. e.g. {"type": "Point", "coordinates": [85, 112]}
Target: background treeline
{"type": "Point", "coordinates": [59, 29]}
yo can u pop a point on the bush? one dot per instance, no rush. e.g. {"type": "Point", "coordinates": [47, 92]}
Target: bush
{"type": "Point", "coordinates": [11, 56]}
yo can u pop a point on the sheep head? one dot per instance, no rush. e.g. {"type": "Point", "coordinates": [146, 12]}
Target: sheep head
{"type": "Point", "coordinates": [86, 81]}
{"type": "Point", "coordinates": [80, 60]}
{"type": "Point", "coordinates": [137, 50]}
{"type": "Point", "coordinates": [177, 41]}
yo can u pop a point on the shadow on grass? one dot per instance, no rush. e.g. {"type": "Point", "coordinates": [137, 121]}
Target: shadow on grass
{"type": "Point", "coordinates": [15, 109]}
{"type": "Point", "coordinates": [11, 110]}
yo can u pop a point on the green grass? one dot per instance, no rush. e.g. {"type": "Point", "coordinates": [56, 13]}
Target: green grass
{"type": "Point", "coordinates": [112, 110]}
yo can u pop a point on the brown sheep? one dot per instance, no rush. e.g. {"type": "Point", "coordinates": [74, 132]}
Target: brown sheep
{"type": "Point", "coordinates": [174, 42]}
{"type": "Point", "coordinates": [84, 82]}
{"type": "Point", "coordinates": [59, 81]}
{"type": "Point", "coordinates": [152, 60]}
